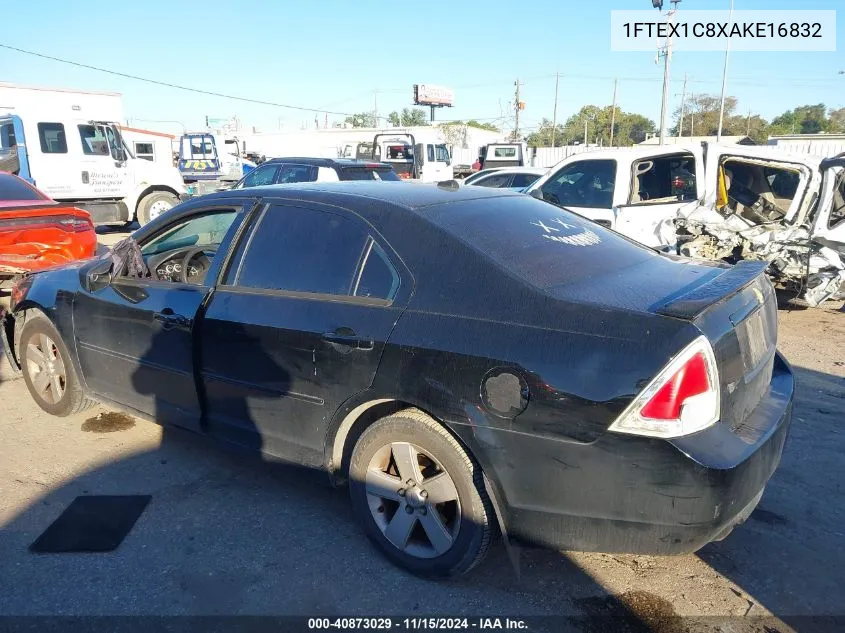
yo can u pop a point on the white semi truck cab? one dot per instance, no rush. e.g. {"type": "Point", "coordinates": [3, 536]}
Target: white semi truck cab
{"type": "Point", "coordinates": [54, 140]}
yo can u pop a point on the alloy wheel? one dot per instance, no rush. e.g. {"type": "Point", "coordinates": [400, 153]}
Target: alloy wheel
{"type": "Point", "coordinates": [413, 500]}
{"type": "Point", "coordinates": [46, 369]}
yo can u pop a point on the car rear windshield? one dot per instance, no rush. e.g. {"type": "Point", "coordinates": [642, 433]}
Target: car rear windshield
{"type": "Point", "coordinates": [368, 173]}
{"type": "Point", "coordinates": [12, 188]}
{"type": "Point", "coordinates": [538, 242]}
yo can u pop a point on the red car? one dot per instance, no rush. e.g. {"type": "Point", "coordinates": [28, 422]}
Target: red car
{"type": "Point", "coordinates": [37, 232]}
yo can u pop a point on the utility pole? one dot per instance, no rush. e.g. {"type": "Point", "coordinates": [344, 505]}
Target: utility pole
{"type": "Point", "coordinates": [683, 108]}
{"type": "Point", "coordinates": [516, 109]}
{"type": "Point", "coordinates": [375, 105]}
{"type": "Point", "coordinates": [725, 77]}
{"type": "Point", "coordinates": [667, 63]}
{"type": "Point", "coordinates": [613, 114]}
{"type": "Point", "coordinates": [585, 130]}
{"type": "Point", "coordinates": [692, 124]}
{"type": "Point", "coordinates": [554, 112]}
{"type": "Point", "coordinates": [748, 124]}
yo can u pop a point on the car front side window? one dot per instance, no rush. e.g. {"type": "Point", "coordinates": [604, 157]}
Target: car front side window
{"type": "Point", "coordinates": [207, 229]}
{"type": "Point", "coordinates": [586, 184]}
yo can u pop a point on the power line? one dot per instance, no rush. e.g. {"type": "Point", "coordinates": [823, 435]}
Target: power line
{"type": "Point", "coordinates": [210, 93]}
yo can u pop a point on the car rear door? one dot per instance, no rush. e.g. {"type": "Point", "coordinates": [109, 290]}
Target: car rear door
{"type": "Point", "coordinates": [134, 336]}
{"type": "Point", "coordinates": [805, 195]}
{"type": "Point", "coordinates": [297, 327]}
{"type": "Point", "coordinates": [660, 186]}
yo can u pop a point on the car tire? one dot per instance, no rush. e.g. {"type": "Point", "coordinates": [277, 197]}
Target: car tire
{"type": "Point", "coordinates": [405, 520]}
{"type": "Point", "coordinates": [48, 371]}
{"type": "Point", "coordinates": [152, 205]}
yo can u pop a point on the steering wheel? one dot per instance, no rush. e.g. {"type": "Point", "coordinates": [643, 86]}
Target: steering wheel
{"type": "Point", "coordinates": [203, 262]}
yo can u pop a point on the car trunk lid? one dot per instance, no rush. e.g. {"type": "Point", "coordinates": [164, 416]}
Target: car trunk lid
{"type": "Point", "coordinates": [737, 311]}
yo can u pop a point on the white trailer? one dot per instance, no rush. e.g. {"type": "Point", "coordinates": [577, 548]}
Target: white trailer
{"type": "Point", "coordinates": [69, 144]}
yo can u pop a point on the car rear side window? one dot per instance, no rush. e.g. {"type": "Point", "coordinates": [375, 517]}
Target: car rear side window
{"type": "Point", "coordinates": [524, 180]}
{"type": "Point", "coordinates": [376, 278]}
{"type": "Point", "coordinates": [52, 138]}
{"type": "Point", "coordinates": [264, 175]}
{"type": "Point", "coordinates": [11, 188]}
{"type": "Point", "coordinates": [368, 173]}
{"type": "Point", "coordinates": [664, 179]}
{"type": "Point", "coordinates": [494, 180]}
{"type": "Point", "coordinates": [302, 250]}
{"type": "Point", "coordinates": [296, 173]}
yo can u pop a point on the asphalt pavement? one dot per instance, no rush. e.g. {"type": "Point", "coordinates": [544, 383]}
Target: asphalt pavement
{"type": "Point", "coordinates": [228, 534]}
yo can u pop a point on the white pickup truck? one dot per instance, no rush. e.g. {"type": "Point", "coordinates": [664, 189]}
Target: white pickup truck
{"type": "Point", "coordinates": [717, 202]}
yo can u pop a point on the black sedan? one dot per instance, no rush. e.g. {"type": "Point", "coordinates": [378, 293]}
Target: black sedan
{"type": "Point", "coordinates": [470, 360]}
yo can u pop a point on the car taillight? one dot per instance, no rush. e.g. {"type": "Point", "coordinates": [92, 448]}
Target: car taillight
{"type": "Point", "coordinates": [76, 224]}
{"type": "Point", "coordinates": [683, 398]}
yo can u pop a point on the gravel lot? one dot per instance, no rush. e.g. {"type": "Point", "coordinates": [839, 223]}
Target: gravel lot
{"type": "Point", "coordinates": [228, 534]}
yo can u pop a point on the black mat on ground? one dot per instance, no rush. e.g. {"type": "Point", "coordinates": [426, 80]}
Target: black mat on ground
{"type": "Point", "coordinates": [95, 523]}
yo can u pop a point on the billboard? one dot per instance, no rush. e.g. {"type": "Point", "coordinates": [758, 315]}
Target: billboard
{"type": "Point", "coordinates": [431, 95]}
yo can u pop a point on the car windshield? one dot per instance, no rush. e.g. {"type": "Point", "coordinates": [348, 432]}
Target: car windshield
{"type": "Point", "coordinates": [13, 188]}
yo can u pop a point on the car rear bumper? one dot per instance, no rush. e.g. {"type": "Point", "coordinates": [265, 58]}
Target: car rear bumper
{"type": "Point", "coordinates": [648, 496]}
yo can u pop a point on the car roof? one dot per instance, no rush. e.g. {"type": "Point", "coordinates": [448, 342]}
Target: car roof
{"type": "Point", "coordinates": [522, 170]}
{"type": "Point", "coordinates": [325, 162]}
{"type": "Point", "coordinates": [407, 195]}
{"type": "Point", "coordinates": [637, 151]}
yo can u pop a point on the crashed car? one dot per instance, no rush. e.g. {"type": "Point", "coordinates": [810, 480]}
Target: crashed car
{"type": "Point", "coordinates": [37, 232]}
{"type": "Point", "coordinates": [540, 376]}
{"type": "Point", "coordinates": [789, 213]}
{"type": "Point", "coordinates": [716, 202]}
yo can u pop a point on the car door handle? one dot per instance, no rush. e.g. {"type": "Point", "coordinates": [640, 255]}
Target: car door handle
{"type": "Point", "coordinates": [604, 223]}
{"type": "Point", "coordinates": [170, 319]}
{"type": "Point", "coordinates": [346, 338]}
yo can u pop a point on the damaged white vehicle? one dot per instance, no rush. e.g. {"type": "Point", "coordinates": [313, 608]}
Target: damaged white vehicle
{"type": "Point", "coordinates": [785, 210]}
{"type": "Point", "coordinates": [717, 202]}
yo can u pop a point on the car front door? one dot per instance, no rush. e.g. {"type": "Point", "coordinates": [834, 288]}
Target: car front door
{"type": "Point", "coordinates": [585, 187]}
{"type": "Point", "coordinates": [104, 172]}
{"type": "Point", "coordinates": [660, 187]}
{"type": "Point", "coordinates": [829, 223]}
{"type": "Point", "coordinates": [134, 335]}
{"type": "Point", "coordinates": [297, 327]}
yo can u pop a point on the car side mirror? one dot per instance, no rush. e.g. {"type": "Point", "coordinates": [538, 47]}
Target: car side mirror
{"type": "Point", "coordinates": [99, 276]}
{"type": "Point", "coordinates": [536, 193]}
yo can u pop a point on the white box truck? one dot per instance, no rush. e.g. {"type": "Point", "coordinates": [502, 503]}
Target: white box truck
{"type": "Point", "coordinates": [69, 144]}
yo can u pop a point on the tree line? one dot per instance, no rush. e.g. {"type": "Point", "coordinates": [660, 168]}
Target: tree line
{"type": "Point", "coordinates": [698, 116]}
{"type": "Point", "coordinates": [409, 117]}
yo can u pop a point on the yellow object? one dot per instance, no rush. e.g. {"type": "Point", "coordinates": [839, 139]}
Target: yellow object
{"type": "Point", "coordinates": [721, 189]}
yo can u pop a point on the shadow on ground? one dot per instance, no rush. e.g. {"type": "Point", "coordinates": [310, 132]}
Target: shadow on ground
{"type": "Point", "coordinates": [227, 533]}
{"type": "Point", "coordinates": [784, 556]}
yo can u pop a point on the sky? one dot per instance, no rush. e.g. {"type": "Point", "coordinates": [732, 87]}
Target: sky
{"type": "Point", "coordinates": [346, 57]}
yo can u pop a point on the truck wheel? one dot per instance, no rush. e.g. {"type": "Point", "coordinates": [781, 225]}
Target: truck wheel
{"type": "Point", "coordinates": [48, 371]}
{"type": "Point", "coordinates": [154, 204]}
{"type": "Point", "coordinates": [419, 496]}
